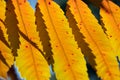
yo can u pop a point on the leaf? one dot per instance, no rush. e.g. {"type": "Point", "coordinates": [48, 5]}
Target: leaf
{"type": "Point", "coordinates": [111, 18]}
{"type": "Point", "coordinates": [69, 61]}
{"type": "Point", "coordinates": [6, 59]}
{"type": "Point", "coordinates": [2, 8]}
{"type": "Point", "coordinates": [11, 25]}
{"type": "Point", "coordinates": [90, 58]}
{"type": "Point", "coordinates": [30, 61]}
{"type": "Point", "coordinates": [107, 66]}
{"type": "Point", "coordinates": [44, 38]}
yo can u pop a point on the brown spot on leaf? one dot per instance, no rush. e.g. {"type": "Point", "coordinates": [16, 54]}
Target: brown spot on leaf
{"type": "Point", "coordinates": [107, 11]}
{"type": "Point", "coordinates": [80, 23]}
{"type": "Point", "coordinates": [110, 36]}
{"type": "Point", "coordinates": [49, 3]}
{"type": "Point", "coordinates": [109, 73]}
{"type": "Point", "coordinates": [85, 12]}
{"type": "Point", "coordinates": [67, 32]}
{"type": "Point", "coordinates": [68, 65]}
{"type": "Point", "coordinates": [65, 70]}
{"type": "Point", "coordinates": [20, 3]}
{"type": "Point", "coordinates": [75, 0]}
{"type": "Point", "coordinates": [26, 46]}
{"type": "Point", "coordinates": [80, 27]}
{"type": "Point", "coordinates": [30, 38]}
{"type": "Point", "coordinates": [24, 0]}
{"type": "Point", "coordinates": [116, 9]}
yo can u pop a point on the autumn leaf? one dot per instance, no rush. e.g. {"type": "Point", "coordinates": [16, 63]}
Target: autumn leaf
{"type": "Point", "coordinates": [107, 66]}
{"type": "Point", "coordinates": [110, 14]}
{"type": "Point", "coordinates": [30, 59]}
{"type": "Point", "coordinates": [6, 58]}
{"type": "Point", "coordinates": [69, 63]}
{"type": "Point", "coordinates": [44, 37]}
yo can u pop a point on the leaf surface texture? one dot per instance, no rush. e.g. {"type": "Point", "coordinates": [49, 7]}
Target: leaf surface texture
{"type": "Point", "coordinates": [30, 61]}
{"type": "Point", "coordinates": [97, 40]}
{"type": "Point", "coordinates": [69, 62]}
{"type": "Point", "coordinates": [6, 58]}
{"type": "Point", "coordinates": [111, 19]}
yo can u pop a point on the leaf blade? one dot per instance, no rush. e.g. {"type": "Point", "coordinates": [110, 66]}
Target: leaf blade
{"type": "Point", "coordinates": [90, 28]}
{"type": "Point", "coordinates": [30, 56]}
{"type": "Point", "coordinates": [63, 44]}
{"type": "Point", "coordinates": [110, 17]}
{"type": "Point", "coordinates": [6, 58]}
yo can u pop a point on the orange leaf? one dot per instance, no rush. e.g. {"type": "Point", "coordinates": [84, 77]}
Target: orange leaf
{"type": "Point", "coordinates": [107, 66]}
{"type": "Point", "coordinates": [6, 58]}
{"type": "Point", "coordinates": [30, 60]}
{"type": "Point", "coordinates": [69, 61]}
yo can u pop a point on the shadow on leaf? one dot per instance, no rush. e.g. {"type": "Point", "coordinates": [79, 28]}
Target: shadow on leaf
{"type": "Point", "coordinates": [80, 39]}
{"type": "Point", "coordinates": [44, 38]}
{"type": "Point", "coordinates": [12, 27]}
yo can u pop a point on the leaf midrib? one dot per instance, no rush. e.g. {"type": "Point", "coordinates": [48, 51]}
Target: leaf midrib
{"type": "Point", "coordinates": [92, 38]}
{"type": "Point", "coordinates": [35, 66]}
{"type": "Point", "coordinates": [59, 39]}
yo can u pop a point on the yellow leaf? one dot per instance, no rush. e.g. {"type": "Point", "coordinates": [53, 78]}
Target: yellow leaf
{"type": "Point", "coordinates": [44, 38]}
{"type": "Point", "coordinates": [111, 19]}
{"type": "Point", "coordinates": [11, 25]}
{"type": "Point", "coordinates": [69, 61]}
{"type": "Point", "coordinates": [2, 8]}
{"type": "Point", "coordinates": [79, 37]}
{"type": "Point", "coordinates": [107, 66]}
{"type": "Point", "coordinates": [30, 61]}
{"type": "Point", "coordinates": [6, 59]}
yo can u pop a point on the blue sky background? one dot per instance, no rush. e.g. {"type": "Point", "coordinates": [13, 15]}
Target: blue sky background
{"type": "Point", "coordinates": [60, 2]}
{"type": "Point", "coordinates": [33, 3]}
